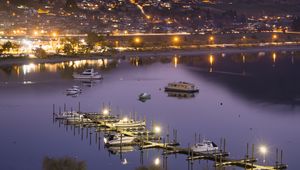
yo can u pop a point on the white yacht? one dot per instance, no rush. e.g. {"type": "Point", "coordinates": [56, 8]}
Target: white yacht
{"type": "Point", "coordinates": [79, 118]}
{"type": "Point", "coordinates": [87, 74]}
{"type": "Point", "coordinates": [65, 115]}
{"type": "Point", "coordinates": [181, 87]}
{"type": "Point", "coordinates": [117, 139]}
{"type": "Point", "coordinates": [125, 123]}
{"type": "Point", "coordinates": [205, 146]}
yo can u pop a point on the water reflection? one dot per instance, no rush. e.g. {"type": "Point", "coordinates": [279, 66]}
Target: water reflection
{"type": "Point", "coordinates": [181, 95]}
{"type": "Point", "coordinates": [251, 75]}
{"type": "Point", "coordinates": [116, 150]}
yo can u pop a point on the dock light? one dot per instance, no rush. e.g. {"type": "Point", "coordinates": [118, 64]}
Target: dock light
{"type": "Point", "coordinates": [105, 112]}
{"type": "Point", "coordinates": [156, 161]}
{"type": "Point", "coordinates": [263, 150]}
{"type": "Point", "coordinates": [125, 119]}
{"type": "Point", "coordinates": [157, 129]}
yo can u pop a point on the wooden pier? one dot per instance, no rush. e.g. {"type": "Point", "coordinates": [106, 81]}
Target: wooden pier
{"type": "Point", "coordinates": [147, 139]}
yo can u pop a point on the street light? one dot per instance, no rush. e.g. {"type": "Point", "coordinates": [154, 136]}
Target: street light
{"type": "Point", "coordinates": [176, 40]}
{"type": "Point", "coordinates": [54, 34]}
{"type": "Point", "coordinates": [274, 37]}
{"type": "Point", "coordinates": [263, 150]}
{"type": "Point", "coordinates": [148, 16]}
{"type": "Point", "coordinates": [137, 40]}
{"type": "Point", "coordinates": [211, 38]}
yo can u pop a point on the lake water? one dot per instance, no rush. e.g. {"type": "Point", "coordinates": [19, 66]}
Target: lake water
{"type": "Point", "coordinates": [245, 98]}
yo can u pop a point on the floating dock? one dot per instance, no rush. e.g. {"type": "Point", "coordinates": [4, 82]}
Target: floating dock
{"type": "Point", "coordinates": [147, 139]}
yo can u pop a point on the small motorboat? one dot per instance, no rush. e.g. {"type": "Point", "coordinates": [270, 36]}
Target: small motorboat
{"type": "Point", "coordinates": [206, 146]}
{"type": "Point", "coordinates": [117, 140]}
{"type": "Point", "coordinates": [74, 90]}
{"type": "Point", "coordinates": [144, 96]}
{"type": "Point", "coordinates": [181, 87]}
{"type": "Point", "coordinates": [88, 74]}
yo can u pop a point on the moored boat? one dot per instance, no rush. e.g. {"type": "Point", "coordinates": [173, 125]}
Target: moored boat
{"type": "Point", "coordinates": [144, 96]}
{"type": "Point", "coordinates": [181, 87]}
{"type": "Point", "coordinates": [125, 123]}
{"type": "Point", "coordinates": [117, 139]}
{"type": "Point", "coordinates": [206, 146]}
{"type": "Point", "coordinates": [88, 74]}
{"type": "Point", "coordinates": [65, 115]}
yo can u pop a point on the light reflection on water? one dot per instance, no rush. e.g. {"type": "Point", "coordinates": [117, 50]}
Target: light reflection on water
{"type": "Point", "coordinates": [259, 95]}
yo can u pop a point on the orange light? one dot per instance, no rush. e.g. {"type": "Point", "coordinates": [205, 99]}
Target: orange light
{"type": "Point", "coordinates": [137, 40]}
{"type": "Point", "coordinates": [176, 39]}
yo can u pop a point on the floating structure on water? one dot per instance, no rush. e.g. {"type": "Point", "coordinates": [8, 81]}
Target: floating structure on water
{"type": "Point", "coordinates": [144, 97]}
{"type": "Point", "coordinates": [87, 74]}
{"type": "Point", "coordinates": [73, 91]}
{"type": "Point", "coordinates": [123, 133]}
{"type": "Point", "coordinates": [181, 87]}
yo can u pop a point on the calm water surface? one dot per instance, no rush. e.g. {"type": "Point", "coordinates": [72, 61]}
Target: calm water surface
{"type": "Point", "coordinates": [244, 98]}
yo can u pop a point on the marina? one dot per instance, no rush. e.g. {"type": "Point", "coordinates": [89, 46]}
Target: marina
{"type": "Point", "coordinates": [131, 132]}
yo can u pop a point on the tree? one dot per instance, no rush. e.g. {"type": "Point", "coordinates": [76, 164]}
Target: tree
{"type": "Point", "coordinates": [68, 49]}
{"type": "Point", "coordinates": [92, 39]}
{"type": "Point", "coordinates": [296, 24]}
{"type": "Point", "coordinates": [7, 46]}
{"type": "Point", "coordinates": [71, 5]}
{"type": "Point", "coordinates": [65, 163]}
{"type": "Point", "coordinates": [40, 53]}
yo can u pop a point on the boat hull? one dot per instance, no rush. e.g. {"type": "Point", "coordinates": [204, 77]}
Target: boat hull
{"type": "Point", "coordinates": [167, 89]}
{"type": "Point", "coordinates": [78, 76]}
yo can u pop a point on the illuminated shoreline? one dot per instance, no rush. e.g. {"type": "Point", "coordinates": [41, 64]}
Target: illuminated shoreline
{"type": "Point", "coordinates": [150, 53]}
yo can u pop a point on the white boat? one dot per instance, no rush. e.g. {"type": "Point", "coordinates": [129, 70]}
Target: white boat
{"type": "Point", "coordinates": [144, 96]}
{"type": "Point", "coordinates": [125, 123]}
{"type": "Point", "coordinates": [181, 87]}
{"type": "Point", "coordinates": [206, 146]}
{"type": "Point", "coordinates": [87, 74]}
{"type": "Point", "coordinates": [79, 118]}
{"type": "Point", "coordinates": [117, 139]}
{"type": "Point", "coordinates": [65, 115]}
{"type": "Point", "coordinates": [73, 90]}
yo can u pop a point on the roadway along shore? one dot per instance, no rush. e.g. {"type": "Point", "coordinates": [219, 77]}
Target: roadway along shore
{"type": "Point", "coordinates": [150, 53]}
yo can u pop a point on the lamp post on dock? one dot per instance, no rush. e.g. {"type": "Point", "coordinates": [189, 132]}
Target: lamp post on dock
{"type": "Point", "coordinates": [263, 150]}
